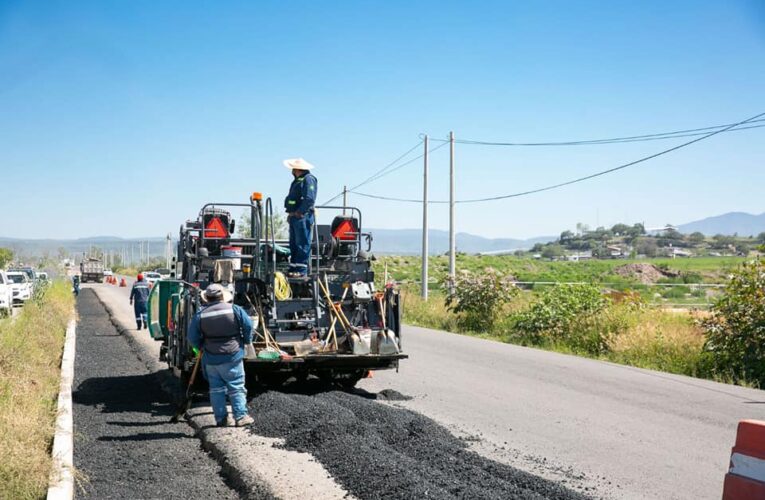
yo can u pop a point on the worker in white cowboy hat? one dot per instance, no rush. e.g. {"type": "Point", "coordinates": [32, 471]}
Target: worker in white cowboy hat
{"type": "Point", "coordinates": [221, 330]}
{"type": "Point", "coordinates": [299, 205]}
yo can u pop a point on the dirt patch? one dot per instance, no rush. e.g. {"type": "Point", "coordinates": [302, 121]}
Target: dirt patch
{"type": "Point", "coordinates": [646, 274]}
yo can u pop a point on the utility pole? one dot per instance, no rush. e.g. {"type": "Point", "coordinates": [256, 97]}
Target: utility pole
{"type": "Point", "coordinates": [452, 236]}
{"type": "Point", "coordinates": [168, 250]}
{"type": "Point", "coordinates": [424, 278]}
{"type": "Point", "coordinates": [345, 198]}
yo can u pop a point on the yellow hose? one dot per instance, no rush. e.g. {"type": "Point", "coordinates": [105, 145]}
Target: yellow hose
{"type": "Point", "coordinates": [282, 289]}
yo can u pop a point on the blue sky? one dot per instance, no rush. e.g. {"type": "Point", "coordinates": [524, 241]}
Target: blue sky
{"type": "Point", "coordinates": [123, 118]}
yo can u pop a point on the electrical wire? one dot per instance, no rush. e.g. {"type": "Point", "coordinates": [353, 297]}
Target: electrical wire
{"type": "Point", "coordinates": [580, 179]}
{"type": "Point", "coordinates": [615, 140]}
{"type": "Point", "coordinates": [373, 176]}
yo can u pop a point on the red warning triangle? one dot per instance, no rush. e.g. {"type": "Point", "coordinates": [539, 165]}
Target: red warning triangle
{"type": "Point", "coordinates": [344, 231]}
{"type": "Point", "coordinates": [215, 229]}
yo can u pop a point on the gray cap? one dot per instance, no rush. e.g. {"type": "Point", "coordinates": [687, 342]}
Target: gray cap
{"type": "Point", "coordinates": [214, 293]}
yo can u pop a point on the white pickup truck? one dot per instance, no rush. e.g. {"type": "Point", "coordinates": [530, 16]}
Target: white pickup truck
{"type": "Point", "coordinates": [6, 295]}
{"type": "Point", "coordinates": [22, 288]}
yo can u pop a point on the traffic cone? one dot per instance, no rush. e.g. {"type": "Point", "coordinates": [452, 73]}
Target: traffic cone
{"type": "Point", "coordinates": [123, 283]}
{"type": "Point", "coordinates": [114, 280]}
{"type": "Point", "coordinates": [746, 476]}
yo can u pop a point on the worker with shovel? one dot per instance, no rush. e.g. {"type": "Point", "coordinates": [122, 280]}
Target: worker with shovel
{"type": "Point", "coordinates": [139, 296]}
{"type": "Point", "coordinates": [221, 330]}
{"type": "Point", "coordinates": [299, 205]}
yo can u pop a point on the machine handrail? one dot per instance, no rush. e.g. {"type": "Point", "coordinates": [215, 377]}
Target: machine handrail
{"type": "Point", "coordinates": [213, 205]}
{"type": "Point", "coordinates": [353, 210]}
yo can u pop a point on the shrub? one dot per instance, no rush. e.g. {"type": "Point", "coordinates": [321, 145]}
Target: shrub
{"type": "Point", "coordinates": [478, 299]}
{"type": "Point", "coordinates": [736, 328]}
{"type": "Point", "coordinates": [565, 314]}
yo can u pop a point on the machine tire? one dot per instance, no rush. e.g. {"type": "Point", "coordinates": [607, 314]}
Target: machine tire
{"type": "Point", "coordinates": [348, 381]}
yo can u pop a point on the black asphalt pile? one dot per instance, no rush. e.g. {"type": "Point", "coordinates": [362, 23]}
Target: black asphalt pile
{"type": "Point", "coordinates": [124, 445]}
{"type": "Point", "coordinates": [391, 395]}
{"type": "Point", "coordinates": [378, 451]}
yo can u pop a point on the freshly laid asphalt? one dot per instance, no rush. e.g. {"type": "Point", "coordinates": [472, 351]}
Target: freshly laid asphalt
{"type": "Point", "coordinates": [124, 445]}
{"type": "Point", "coordinates": [376, 451]}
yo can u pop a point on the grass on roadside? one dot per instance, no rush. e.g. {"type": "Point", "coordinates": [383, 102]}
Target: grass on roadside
{"type": "Point", "coordinates": [645, 337]}
{"type": "Point", "coordinates": [30, 356]}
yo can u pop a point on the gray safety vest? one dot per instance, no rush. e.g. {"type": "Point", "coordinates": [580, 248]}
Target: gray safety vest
{"type": "Point", "coordinates": [220, 329]}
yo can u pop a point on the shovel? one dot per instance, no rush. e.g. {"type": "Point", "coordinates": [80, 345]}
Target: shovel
{"type": "Point", "coordinates": [185, 406]}
{"type": "Point", "coordinates": [360, 344]}
{"type": "Point", "coordinates": [386, 339]}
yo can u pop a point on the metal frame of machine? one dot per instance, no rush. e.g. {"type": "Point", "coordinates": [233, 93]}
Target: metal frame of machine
{"type": "Point", "coordinates": [332, 323]}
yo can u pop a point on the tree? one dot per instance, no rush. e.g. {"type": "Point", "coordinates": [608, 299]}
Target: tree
{"type": "Point", "coordinates": [538, 247]}
{"type": "Point", "coordinates": [696, 238]}
{"type": "Point", "coordinates": [280, 226]}
{"type": "Point", "coordinates": [723, 242]}
{"type": "Point", "coordinates": [566, 236]}
{"type": "Point", "coordinates": [552, 251]}
{"type": "Point", "coordinates": [636, 230]}
{"type": "Point", "coordinates": [736, 329]}
{"type": "Point", "coordinates": [761, 238]}
{"type": "Point", "coordinates": [647, 247]}
{"type": "Point", "coordinates": [620, 229]}
{"type": "Point", "coordinates": [6, 256]}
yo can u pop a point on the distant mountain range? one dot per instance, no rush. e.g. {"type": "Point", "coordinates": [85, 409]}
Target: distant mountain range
{"type": "Point", "coordinates": [38, 247]}
{"type": "Point", "coordinates": [390, 241]}
{"type": "Point", "coordinates": [409, 241]}
{"type": "Point", "coordinates": [733, 222]}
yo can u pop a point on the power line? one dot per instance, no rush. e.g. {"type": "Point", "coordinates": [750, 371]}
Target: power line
{"type": "Point", "coordinates": [617, 140]}
{"type": "Point", "coordinates": [374, 176]}
{"type": "Point", "coordinates": [580, 179]}
{"type": "Point", "coordinates": [409, 162]}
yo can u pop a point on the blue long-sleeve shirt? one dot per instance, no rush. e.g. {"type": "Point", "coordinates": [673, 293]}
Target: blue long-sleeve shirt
{"type": "Point", "coordinates": [245, 329]}
{"type": "Point", "coordinates": [140, 291]}
{"type": "Point", "coordinates": [302, 195]}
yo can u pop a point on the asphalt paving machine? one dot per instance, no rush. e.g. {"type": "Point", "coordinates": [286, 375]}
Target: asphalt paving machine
{"type": "Point", "coordinates": [335, 323]}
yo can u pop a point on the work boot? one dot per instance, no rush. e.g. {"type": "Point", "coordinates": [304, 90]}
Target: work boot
{"type": "Point", "coordinates": [226, 422]}
{"type": "Point", "coordinates": [245, 420]}
{"type": "Point", "coordinates": [138, 325]}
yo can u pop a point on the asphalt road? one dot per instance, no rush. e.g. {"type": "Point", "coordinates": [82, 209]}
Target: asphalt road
{"type": "Point", "coordinates": [124, 445]}
{"type": "Point", "coordinates": [622, 432]}
{"type": "Point", "coordinates": [604, 429]}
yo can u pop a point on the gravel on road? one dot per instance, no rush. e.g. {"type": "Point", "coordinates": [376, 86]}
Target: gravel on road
{"type": "Point", "coordinates": [375, 450]}
{"type": "Point", "coordinates": [124, 445]}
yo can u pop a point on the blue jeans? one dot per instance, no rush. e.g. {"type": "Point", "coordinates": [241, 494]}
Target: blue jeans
{"type": "Point", "coordinates": [140, 312]}
{"type": "Point", "coordinates": [300, 243]}
{"type": "Point", "coordinates": [227, 378]}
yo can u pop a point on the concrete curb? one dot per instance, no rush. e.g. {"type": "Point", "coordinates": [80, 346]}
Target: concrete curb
{"type": "Point", "coordinates": [62, 477]}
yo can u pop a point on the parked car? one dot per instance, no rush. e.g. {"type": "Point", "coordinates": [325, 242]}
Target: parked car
{"type": "Point", "coordinates": [163, 272]}
{"type": "Point", "coordinates": [108, 272]}
{"type": "Point", "coordinates": [6, 295]}
{"type": "Point", "coordinates": [22, 288]}
{"type": "Point", "coordinates": [30, 274]}
{"type": "Point", "coordinates": [151, 277]}
{"type": "Point", "coordinates": [42, 276]}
